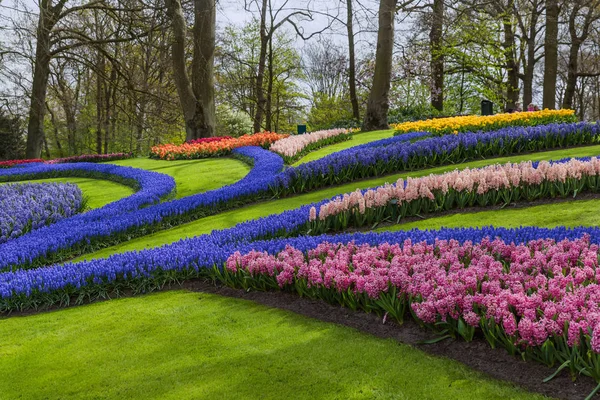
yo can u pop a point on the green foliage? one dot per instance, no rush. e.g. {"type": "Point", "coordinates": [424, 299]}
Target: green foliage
{"type": "Point", "coordinates": [12, 142]}
{"type": "Point", "coordinates": [414, 113]}
{"type": "Point", "coordinates": [330, 112]}
{"type": "Point", "coordinates": [236, 70]}
{"type": "Point", "coordinates": [231, 122]}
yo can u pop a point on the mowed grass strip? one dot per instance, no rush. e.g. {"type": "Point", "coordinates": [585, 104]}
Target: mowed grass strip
{"type": "Point", "coordinates": [357, 139]}
{"type": "Point", "coordinates": [230, 218]}
{"type": "Point", "coordinates": [186, 345]}
{"type": "Point", "coordinates": [194, 176]}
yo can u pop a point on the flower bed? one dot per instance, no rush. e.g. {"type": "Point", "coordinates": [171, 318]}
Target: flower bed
{"type": "Point", "coordinates": [12, 163]}
{"type": "Point", "coordinates": [209, 139]}
{"type": "Point", "coordinates": [488, 186]}
{"type": "Point", "coordinates": [123, 226]}
{"type": "Point", "coordinates": [188, 151]}
{"type": "Point", "coordinates": [150, 269]}
{"type": "Point", "coordinates": [472, 123]}
{"type": "Point", "coordinates": [26, 207]}
{"type": "Point", "coordinates": [539, 299]}
{"type": "Point", "coordinates": [151, 187]}
{"type": "Point", "coordinates": [402, 155]}
{"type": "Point", "coordinates": [92, 158]}
{"type": "Point", "coordinates": [295, 147]}
{"type": "Point", "coordinates": [125, 219]}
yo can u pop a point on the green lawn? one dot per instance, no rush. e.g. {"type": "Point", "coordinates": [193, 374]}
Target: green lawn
{"type": "Point", "coordinates": [184, 345]}
{"type": "Point", "coordinates": [230, 218]}
{"type": "Point", "coordinates": [569, 214]}
{"type": "Point", "coordinates": [194, 176]}
{"type": "Point", "coordinates": [359, 138]}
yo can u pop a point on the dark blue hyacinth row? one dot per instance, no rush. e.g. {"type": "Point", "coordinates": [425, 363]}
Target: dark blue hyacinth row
{"type": "Point", "coordinates": [26, 207]}
{"type": "Point", "coordinates": [118, 218]}
{"type": "Point", "coordinates": [150, 186]}
{"type": "Point", "coordinates": [121, 218]}
{"type": "Point", "coordinates": [418, 145]}
{"type": "Point", "coordinates": [208, 250]}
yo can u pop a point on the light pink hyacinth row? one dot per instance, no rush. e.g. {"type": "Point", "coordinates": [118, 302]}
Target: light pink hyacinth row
{"type": "Point", "coordinates": [294, 144]}
{"type": "Point", "coordinates": [482, 180]}
{"type": "Point", "coordinates": [533, 291]}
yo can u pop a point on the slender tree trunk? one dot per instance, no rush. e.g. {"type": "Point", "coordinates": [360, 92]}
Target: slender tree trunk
{"type": "Point", "coordinates": [41, 71]}
{"type": "Point", "coordinates": [531, 61]}
{"type": "Point", "coordinates": [551, 54]}
{"type": "Point", "coordinates": [437, 56]}
{"type": "Point", "coordinates": [269, 100]}
{"type": "Point", "coordinates": [571, 75]}
{"type": "Point", "coordinates": [512, 67]}
{"type": "Point", "coordinates": [529, 75]}
{"type": "Point", "coordinates": [46, 148]}
{"type": "Point", "coordinates": [352, 61]}
{"type": "Point", "coordinates": [378, 104]}
{"type": "Point", "coordinates": [581, 101]}
{"type": "Point", "coordinates": [56, 138]}
{"type": "Point", "coordinates": [260, 76]}
{"type": "Point", "coordinates": [100, 65]}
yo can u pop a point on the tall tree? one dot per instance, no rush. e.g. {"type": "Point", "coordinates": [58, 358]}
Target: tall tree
{"type": "Point", "coordinates": [197, 96]}
{"type": "Point", "coordinates": [528, 13]}
{"type": "Point", "coordinates": [352, 61]}
{"type": "Point", "coordinates": [551, 54]}
{"type": "Point", "coordinates": [51, 42]}
{"type": "Point", "coordinates": [582, 14]}
{"type": "Point", "coordinates": [48, 16]}
{"type": "Point", "coordinates": [437, 55]}
{"type": "Point", "coordinates": [378, 103]}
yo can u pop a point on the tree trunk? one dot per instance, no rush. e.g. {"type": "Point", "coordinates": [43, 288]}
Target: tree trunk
{"type": "Point", "coordinates": [512, 66]}
{"type": "Point", "coordinates": [203, 85]}
{"type": "Point", "coordinates": [352, 61]}
{"type": "Point", "coordinates": [37, 107]}
{"type": "Point", "coordinates": [531, 61]}
{"type": "Point", "coordinates": [571, 75]}
{"type": "Point", "coordinates": [437, 56]}
{"type": "Point", "coordinates": [56, 138]}
{"type": "Point", "coordinates": [100, 92]}
{"type": "Point", "coordinates": [198, 112]}
{"type": "Point", "coordinates": [269, 100]}
{"type": "Point", "coordinates": [378, 104]}
{"type": "Point", "coordinates": [529, 75]}
{"type": "Point", "coordinates": [551, 54]}
{"type": "Point", "coordinates": [260, 76]}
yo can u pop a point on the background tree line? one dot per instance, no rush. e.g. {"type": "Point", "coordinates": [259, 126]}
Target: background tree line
{"type": "Point", "coordinates": [100, 76]}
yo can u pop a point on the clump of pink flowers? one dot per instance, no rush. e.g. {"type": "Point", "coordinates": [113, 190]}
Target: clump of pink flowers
{"type": "Point", "coordinates": [489, 185]}
{"type": "Point", "coordinates": [519, 296]}
{"type": "Point", "coordinates": [294, 145]}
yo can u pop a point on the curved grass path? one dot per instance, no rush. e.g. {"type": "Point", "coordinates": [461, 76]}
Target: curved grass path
{"type": "Point", "coordinates": [570, 214]}
{"type": "Point", "coordinates": [230, 218]}
{"type": "Point", "coordinates": [182, 345]}
{"type": "Point", "coordinates": [194, 176]}
{"type": "Point", "coordinates": [357, 139]}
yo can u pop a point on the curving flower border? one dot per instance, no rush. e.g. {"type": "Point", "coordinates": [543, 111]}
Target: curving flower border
{"type": "Point", "coordinates": [126, 218]}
